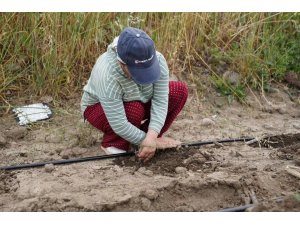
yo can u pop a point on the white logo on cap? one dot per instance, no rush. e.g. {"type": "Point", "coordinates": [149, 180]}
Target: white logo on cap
{"type": "Point", "coordinates": [143, 61]}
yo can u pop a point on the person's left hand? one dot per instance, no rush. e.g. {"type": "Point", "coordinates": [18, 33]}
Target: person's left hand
{"type": "Point", "coordinates": [166, 142]}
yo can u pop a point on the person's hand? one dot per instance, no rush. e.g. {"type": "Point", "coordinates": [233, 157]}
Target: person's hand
{"type": "Point", "coordinates": [148, 146]}
{"type": "Point", "coordinates": [165, 142]}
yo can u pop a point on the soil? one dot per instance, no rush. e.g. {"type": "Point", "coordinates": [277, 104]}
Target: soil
{"type": "Point", "coordinates": [206, 178]}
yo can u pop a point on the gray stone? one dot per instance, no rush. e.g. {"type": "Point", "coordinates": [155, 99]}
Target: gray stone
{"type": "Point", "coordinates": [207, 122]}
{"type": "Point", "coordinates": [146, 204]}
{"type": "Point", "coordinates": [180, 170]}
{"type": "Point", "coordinates": [297, 126]}
{"type": "Point", "coordinates": [150, 194]}
{"type": "Point", "coordinates": [49, 168]}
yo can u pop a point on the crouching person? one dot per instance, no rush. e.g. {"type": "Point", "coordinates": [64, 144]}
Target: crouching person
{"type": "Point", "coordinates": [129, 96]}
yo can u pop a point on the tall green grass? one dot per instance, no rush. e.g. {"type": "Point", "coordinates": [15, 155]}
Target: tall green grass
{"type": "Point", "coordinates": [53, 53]}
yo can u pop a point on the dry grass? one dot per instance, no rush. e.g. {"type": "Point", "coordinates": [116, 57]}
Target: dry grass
{"type": "Point", "coordinates": [53, 53]}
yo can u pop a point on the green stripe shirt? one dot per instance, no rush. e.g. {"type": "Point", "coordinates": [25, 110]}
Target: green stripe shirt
{"type": "Point", "coordinates": [109, 85]}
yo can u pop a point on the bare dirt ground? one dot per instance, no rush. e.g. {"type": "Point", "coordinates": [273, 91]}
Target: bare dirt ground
{"type": "Point", "coordinates": [207, 178]}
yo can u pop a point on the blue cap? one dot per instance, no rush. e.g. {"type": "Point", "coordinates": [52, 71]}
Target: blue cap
{"type": "Point", "coordinates": [136, 49]}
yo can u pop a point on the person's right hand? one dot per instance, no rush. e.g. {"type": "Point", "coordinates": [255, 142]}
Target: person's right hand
{"type": "Point", "coordinates": [148, 146]}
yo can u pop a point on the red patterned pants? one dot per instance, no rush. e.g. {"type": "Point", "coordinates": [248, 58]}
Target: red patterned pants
{"type": "Point", "coordinates": [136, 112]}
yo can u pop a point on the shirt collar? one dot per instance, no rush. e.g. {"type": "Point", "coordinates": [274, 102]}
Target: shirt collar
{"type": "Point", "coordinates": [112, 57]}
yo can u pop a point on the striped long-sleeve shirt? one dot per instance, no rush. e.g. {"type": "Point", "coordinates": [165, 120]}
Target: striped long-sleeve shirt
{"type": "Point", "coordinates": [109, 85]}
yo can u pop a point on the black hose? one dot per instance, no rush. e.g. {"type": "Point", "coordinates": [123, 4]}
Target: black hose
{"type": "Point", "coordinates": [100, 157]}
{"type": "Point", "coordinates": [237, 209]}
{"type": "Point", "coordinates": [217, 141]}
{"type": "Point", "coordinates": [66, 161]}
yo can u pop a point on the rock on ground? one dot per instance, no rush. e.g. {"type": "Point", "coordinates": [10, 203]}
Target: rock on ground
{"type": "Point", "coordinates": [207, 122]}
{"type": "Point", "coordinates": [49, 168]}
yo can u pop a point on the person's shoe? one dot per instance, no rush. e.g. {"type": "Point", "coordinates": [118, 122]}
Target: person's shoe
{"type": "Point", "coordinates": [112, 150]}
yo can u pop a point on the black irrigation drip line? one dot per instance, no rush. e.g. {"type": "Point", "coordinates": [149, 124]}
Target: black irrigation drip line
{"type": "Point", "coordinates": [199, 143]}
{"type": "Point", "coordinates": [66, 161]}
{"type": "Point", "coordinates": [101, 157]}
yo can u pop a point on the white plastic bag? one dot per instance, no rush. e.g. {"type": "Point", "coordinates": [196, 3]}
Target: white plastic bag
{"type": "Point", "coordinates": [32, 113]}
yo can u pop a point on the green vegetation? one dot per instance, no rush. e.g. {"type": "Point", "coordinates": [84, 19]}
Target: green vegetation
{"type": "Point", "coordinates": [53, 53]}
